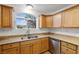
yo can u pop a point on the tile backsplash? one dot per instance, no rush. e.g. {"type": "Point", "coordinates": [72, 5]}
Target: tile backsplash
{"type": "Point", "coordinates": [66, 31]}
{"type": "Point", "coordinates": [5, 32]}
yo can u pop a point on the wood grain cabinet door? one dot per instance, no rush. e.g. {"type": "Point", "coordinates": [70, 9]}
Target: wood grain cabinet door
{"type": "Point", "coordinates": [44, 44]}
{"type": "Point", "coordinates": [0, 49]}
{"type": "Point", "coordinates": [65, 50]}
{"type": "Point", "coordinates": [11, 51]}
{"type": "Point", "coordinates": [37, 46]}
{"type": "Point", "coordinates": [42, 21]}
{"type": "Point", "coordinates": [0, 16]}
{"type": "Point", "coordinates": [57, 20]}
{"type": "Point", "coordinates": [49, 21]}
{"type": "Point", "coordinates": [71, 17]}
{"type": "Point", "coordinates": [26, 49]}
{"type": "Point", "coordinates": [6, 17]}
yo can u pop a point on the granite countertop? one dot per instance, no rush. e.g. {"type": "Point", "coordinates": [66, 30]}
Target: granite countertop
{"type": "Point", "coordinates": [70, 39]}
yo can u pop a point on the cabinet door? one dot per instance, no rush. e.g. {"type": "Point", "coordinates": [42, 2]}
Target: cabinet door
{"type": "Point", "coordinates": [26, 49]}
{"type": "Point", "coordinates": [0, 49]}
{"type": "Point", "coordinates": [65, 50]}
{"type": "Point", "coordinates": [42, 21]}
{"type": "Point", "coordinates": [0, 16]}
{"type": "Point", "coordinates": [71, 17]}
{"type": "Point", "coordinates": [6, 17]}
{"type": "Point", "coordinates": [37, 46]}
{"type": "Point", "coordinates": [49, 21]}
{"type": "Point", "coordinates": [57, 20]}
{"type": "Point", "coordinates": [11, 51]}
{"type": "Point", "coordinates": [44, 44]}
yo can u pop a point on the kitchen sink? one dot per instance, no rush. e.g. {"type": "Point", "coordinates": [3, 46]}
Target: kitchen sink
{"type": "Point", "coordinates": [32, 36]}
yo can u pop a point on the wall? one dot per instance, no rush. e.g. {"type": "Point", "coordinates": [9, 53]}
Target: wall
{"type": "Point", "coordinates": [66, 31]}
{"type": "Point", "coordinates": [21, 8]}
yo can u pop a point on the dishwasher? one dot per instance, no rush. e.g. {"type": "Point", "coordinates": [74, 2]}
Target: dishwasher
{"type": "Point", "coordinates": [54, 46]}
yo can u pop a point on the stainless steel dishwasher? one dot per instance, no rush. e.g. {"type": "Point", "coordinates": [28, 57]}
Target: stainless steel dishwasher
{"type": "Point", "coordinates": [54, 46]}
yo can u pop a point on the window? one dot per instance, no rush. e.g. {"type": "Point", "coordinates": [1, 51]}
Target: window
{"type": "Point", "coordinates": [24, 20]}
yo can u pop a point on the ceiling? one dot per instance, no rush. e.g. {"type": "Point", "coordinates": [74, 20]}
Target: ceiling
{"type": "Point", "coordinates": [50, 8]}
{"type": "Point", "coordinates": [41, 8]}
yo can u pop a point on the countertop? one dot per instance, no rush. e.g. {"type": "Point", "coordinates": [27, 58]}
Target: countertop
{"type": "Point", "coordinates": [70, 39]}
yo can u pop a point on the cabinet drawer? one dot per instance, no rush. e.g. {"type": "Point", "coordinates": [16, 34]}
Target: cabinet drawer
{"type": "Point", "coordinates": [64, 43]}
{"type": "Point", "coordinates": [11, 51]}
{"type": "Point", "coordinates": [65, 50]}
{"type": "Point", "coordinates": [25, 42]}
{"type": "Point", "coordinates": [71, 46]}
{"type": "Point", "coordinates": [7, 46]}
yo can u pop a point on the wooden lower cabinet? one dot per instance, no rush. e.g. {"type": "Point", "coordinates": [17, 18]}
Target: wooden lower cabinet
{"type": "Point", "coordinates": [67, 48]}
{"type": "Point", "coordinates": [44, 44]}
{"type": "Point", "coordinates": [26, 49]}
{"type": "Point", "coordinates": [37, 46]}
{"type": "Point", "coordinates": [0, 49]}
{"type": "Point", "coordinates": [11, 51]}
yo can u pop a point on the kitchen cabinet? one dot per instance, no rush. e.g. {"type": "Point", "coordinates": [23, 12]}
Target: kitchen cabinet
{"type": "Point", "coordinates": [5, 16]}
{"type": "Point", "coordinates": [11, 51]}
{"type": "Point", "coordinates": [49, 21]}
{"type": "Point", "coordinates": [0, 16]}
{"type": "Point", "coordinates": [37, 46]}
{"type": "Point", "coordinates": [67, 48]}
{"type": "Point", "coordinates": [70, 17]}
{"type": "Point", "coordinates": [57, 18]}
{"type": "Point", "coordinates": [26, 48]}
{"type": "Point", "coordinates": [46, 21]}
{"type": "Point", "coordinates": [12, 48]}
{"type": "Point", "coordinates": [0, 49]}
{"type": "Point", "coordinates": [44, 44]}
{"type": "Point", "coordinates": [42, 21]}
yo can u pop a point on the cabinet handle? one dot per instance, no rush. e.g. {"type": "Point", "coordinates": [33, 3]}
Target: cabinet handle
{"type": "Point", "coordinates": [10, 45]}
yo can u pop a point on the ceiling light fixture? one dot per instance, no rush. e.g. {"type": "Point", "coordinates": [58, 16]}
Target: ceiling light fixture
{"type": "Point", "coordinates": [29, 6]}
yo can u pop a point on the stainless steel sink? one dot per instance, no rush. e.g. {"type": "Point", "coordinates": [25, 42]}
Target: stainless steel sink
{"type": "Point", "coordinates": [32, 36]}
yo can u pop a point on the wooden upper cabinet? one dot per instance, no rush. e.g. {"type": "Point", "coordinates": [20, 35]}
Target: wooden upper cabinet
{"type": "Point", "coordinates": [49, 21]}
{"type": "Point", "coordinates": [42, 21]}
{"type": "Point", "coordinates": [6, 17]}
{"type": "Point", "coordinates": [46, 21]}
{"type": "Point", "coordinates": [0, 16]}
{"type": "Point", "coordinates": [57, 20]}
{"type": "Point", "coordinates": [71, 17]}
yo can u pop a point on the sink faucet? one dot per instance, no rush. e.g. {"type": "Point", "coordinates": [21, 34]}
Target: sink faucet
{"type": "Point", "coordinates": [28, 33]}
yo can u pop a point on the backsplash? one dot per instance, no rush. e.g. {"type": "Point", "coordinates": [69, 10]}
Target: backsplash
{"type": "Point", "coordinates": [6, 32]}
{"type": "Point", "coordinates": [66, 31]}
